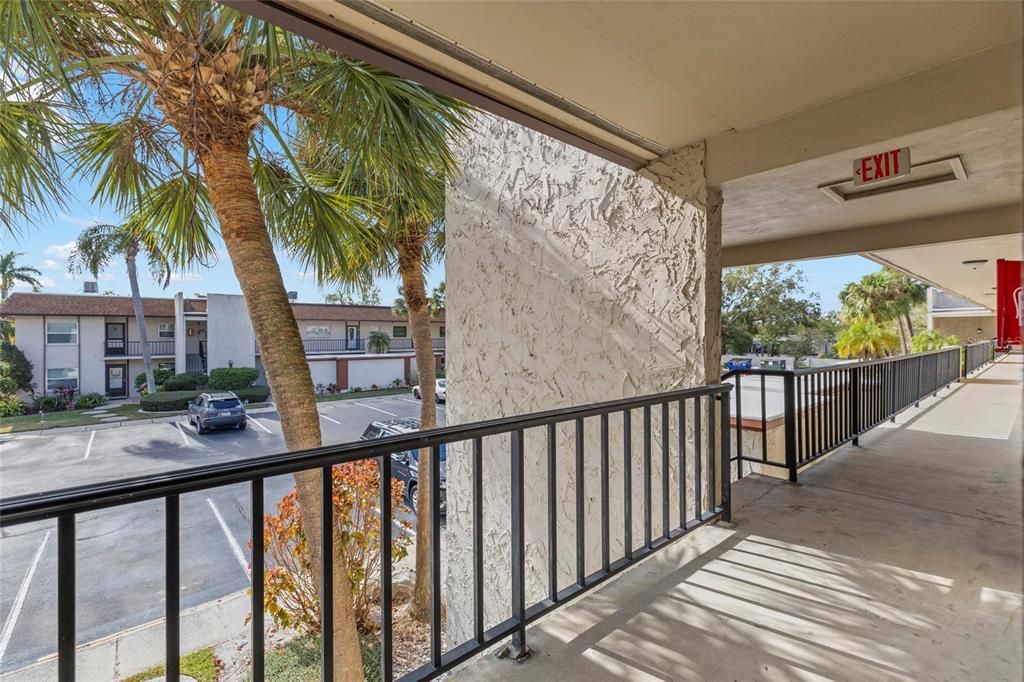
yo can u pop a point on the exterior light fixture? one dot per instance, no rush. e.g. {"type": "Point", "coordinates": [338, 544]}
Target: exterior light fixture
{"type": "Point", "coordinates": [975, 263]}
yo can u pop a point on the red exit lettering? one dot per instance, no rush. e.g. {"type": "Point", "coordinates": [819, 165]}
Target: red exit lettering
{"type": "Point", "coordinates": [890, 164]}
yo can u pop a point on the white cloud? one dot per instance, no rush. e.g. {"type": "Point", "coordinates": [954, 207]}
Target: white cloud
{"type": "Point", "coordinates": [50, 264]}
{"type": "Point", "coordinates": [80, 222]}
{"type": "Point", "coordinates": [87, 277]}
{"type": "Point", "coordinates": [185, 277]}
{"type": "Point", "coordinates": [44, 281]}
{"type": "Point", "coordinates": [60, 250]}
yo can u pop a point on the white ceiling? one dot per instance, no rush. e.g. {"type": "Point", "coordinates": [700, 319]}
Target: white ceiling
{"type": "Point", "coordinates": [942, 264]}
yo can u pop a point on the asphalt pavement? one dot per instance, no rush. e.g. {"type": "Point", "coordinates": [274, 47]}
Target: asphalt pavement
{"type": "Point", "coordinates": [120, 552]}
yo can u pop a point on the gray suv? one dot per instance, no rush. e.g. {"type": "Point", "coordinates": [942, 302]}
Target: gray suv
{"type": "Point", "coordinates": [405, 466]}
{"type": "Point", "coordinates": [216, 410]}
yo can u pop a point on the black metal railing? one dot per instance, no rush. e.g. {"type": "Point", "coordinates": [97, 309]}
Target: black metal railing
{"type": "Point", "coordinates": [360, 345]}
{"type": "Point", "coordinates": [977, 355]}
{"type": "Point", "coordinates": [825, 407]}
{"type": "Point", "coordinates": [680, 418]}
{"type": "Point", "coordinates": [120, 347]}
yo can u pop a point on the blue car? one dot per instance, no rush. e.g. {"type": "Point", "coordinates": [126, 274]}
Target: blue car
{"type": "Point", "coordinates": [405, 465]}
{"type": "Point", "coordinates": [739, 363]}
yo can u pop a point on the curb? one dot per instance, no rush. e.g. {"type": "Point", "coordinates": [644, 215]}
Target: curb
{"type": "Point", "coordinates": [142, 647]}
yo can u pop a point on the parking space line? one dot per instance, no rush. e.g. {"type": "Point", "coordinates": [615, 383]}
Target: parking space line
{"type": "Point", "coordinates": [410, 400]}
{"type": "Point", "coordinates": [324, 416]}
{"type": "Point", "coordinates": [184, 438]}
{"type": "Point", "coordinates": [88, 447]}
{"type": "Point", "coordinates": [235, 547]}
{"type": "Point", "coordinates": [19, 599]}
{"type": "Point", "coordinates": [374, 408]}
{"type": "Point", "coordinates": [253, 421]}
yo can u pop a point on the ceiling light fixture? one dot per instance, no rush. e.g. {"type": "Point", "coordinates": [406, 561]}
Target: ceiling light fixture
{"type": "Point", "coordinates": [975, 263]}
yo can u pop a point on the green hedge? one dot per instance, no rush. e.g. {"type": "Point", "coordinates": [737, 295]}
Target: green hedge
{"type": "Point", "coordinates": [187, 381]}
{"type": "Point", "coordinates": [233, 378]}
{"type": "Point", "coordinates": [167, 401]}
{"type": "Point", "coordinates": [160, 376]}
{"type": "Point", "coordinates": [254, 394]}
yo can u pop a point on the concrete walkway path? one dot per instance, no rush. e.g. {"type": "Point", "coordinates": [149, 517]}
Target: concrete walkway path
{"type": "Point", "coordinates": [900, 559]}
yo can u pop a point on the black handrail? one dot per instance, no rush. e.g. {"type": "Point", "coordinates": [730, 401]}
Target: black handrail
{"type": "Point", "coordinates": [711, 454]}
{"type": "Point", "coordinates": [826, 407]}
{"type": "Point", "coordinates": [977, 355]}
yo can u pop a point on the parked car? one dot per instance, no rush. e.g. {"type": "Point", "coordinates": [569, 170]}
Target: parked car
{"type": "Point", "coordinates": [441, 388]}
{"type": "Point", "coordinates": [216, 410]}
{"type": "Point", "coordinates": [405, 465]}
{"type": "Point", "coordinates": [738, 363]}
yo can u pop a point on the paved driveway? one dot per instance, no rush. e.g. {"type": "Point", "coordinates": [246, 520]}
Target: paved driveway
{"type": "Point", "coordinates": [120, 552]}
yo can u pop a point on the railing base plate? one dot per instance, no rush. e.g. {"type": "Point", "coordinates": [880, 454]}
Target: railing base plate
{"type": "Point", "coordinates": [517, 654]}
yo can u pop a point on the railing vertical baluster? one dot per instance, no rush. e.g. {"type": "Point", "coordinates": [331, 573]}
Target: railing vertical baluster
{"type": "Point", "coordinates": [726, 476]}
{"type": "Point", "coordinates": [256, 605]}
{"type": "Point", "coordinates": [66, 598]}
{"type": "Point", "coordinates": [799, 403]}
{"type": "Point", "coordinates": [682, 465]}
{"type": "Point", "coordinates": [518, 551]}
{"type": "Point", "coordinates": [698, 454]}
{"type": "Point", "coordinates": [386, 530]}
{"type": "Point", "coordinates": [854, 382]}
{"type": "Point", "coordinates": [647, 476]}
{"type": "Point", "coordinates": [664, 471]}
{"type": "Point", "coordinates": [435, 543]}
{"type": "Point", "coordinates": [327, 572]}
{"type": "Point", "coordinates": [819, 446]}
{"type": "Point", "coordinates": [581, 565]}
{"type": "Point", "coordinates": [627, 483]}
{"type": "Point", "coordinates": [552, 524]}
{"type": "Point", "coordinates": [739, 429]}
{"type": "Point", "coordinates": [712, 438]}
{"type": "Point", "coordinates": [764, 423]}
{"type": "Point", "coordinates": [478, 540]}
{"type": "Point", "coordinates": [172, 586]}
{"type": "Point", "coordinates": [789, 425]}
{"type": "Point", "coordinates": [605, 540]}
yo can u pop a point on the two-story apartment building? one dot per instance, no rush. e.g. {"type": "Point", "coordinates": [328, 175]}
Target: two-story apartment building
{"type": "Point", "coordinates": [954, 315]}
{"type": "Point", "coordinates": [91, 341]}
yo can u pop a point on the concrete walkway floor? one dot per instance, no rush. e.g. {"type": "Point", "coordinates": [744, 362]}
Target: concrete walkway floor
{"type": "Point", "coordinates": [897, 560]}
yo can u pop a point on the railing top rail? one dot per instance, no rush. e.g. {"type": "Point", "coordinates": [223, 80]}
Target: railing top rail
{"type": "Point", "coordinates": [832, 368]}
{"type": "Point", "coordinates": [38, 506]}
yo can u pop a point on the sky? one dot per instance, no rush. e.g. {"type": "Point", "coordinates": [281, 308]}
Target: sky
{"type": "Point", "coordinates": [47, 242]}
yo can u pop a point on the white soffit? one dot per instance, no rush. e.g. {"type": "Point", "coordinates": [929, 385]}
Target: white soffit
{"type": "Point", "coordinates": [942, 264]}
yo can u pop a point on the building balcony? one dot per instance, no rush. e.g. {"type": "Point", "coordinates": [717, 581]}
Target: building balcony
{"type": "Point", "coordinates": [327, 346]}
{"type": "Point", "coordinates": [117, 348]}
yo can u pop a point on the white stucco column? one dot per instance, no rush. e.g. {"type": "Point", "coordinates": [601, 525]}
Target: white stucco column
{"type": "Point", "coordinates": [180, 335]}
{"type": "Point", "coordinates": [570, 280]}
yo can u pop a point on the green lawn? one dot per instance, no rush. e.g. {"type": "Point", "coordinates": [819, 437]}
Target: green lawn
{"type": "Point", "coordinates": [201, 665]}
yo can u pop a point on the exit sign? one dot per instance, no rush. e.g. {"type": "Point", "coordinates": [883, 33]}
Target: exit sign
{"type": "Point", "coordinates": [894, 163]}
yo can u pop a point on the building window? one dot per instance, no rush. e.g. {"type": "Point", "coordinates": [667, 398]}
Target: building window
{"type": "Point", "coordinates": [165, 330]}
{"type": "Point", "coordinates": [398, 332]}
{"type": "Point", "coordinates": [318, 332]}
{"type": "Point", "coordinates": [165, 365]}
{"type": "Point", "coordinates": [59, 377]}
{"type": "Point", "coordinates": [442, 332]}
{"type": "Point", "coordinates": [62, 332]}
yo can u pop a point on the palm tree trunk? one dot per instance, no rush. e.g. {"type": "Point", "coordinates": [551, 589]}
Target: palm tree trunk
{"type": "Point", "coordinates": [910, 324]}
{"type": "Point", "coordinates": [243, 227]}
{"type": "Point", "coordinates": [903, 336]}
{"type": "Point", "coordinates": [140, 316]}
{"type": "Point", "coordinates": [410, 267]}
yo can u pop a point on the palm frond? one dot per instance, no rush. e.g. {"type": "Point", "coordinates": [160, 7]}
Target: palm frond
{"type": "Point", "coordinates": [31, 181]}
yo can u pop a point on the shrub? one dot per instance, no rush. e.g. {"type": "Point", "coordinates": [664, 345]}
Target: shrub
{"type": "Point", "coordinates": [291, 587]}
{"type": "Point", "coordinates": [187, 381]}
{"type": "Point", "coordinates": [17, 367]}
{"type": "Point", "coordinates": [299, 660]}
{"type": "Point", "coordinates": [378, 342]}
{"type": "Point", "coordinates": [231, 378]}
{"type": "Point", "coordinates": [87, 401]}
{"type": "Point", "coordinates": [254, 394]}
{"type": "Point", "coordinates": [49, 403]}
{"type": "Point", "coordinates": [11, 406]}
{"type": "Point", "coordinates": [160, 376]}
{"type": "Point", "coordinates": [167, 401]}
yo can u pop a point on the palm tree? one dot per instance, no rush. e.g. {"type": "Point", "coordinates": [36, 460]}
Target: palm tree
{"type": "Point", "coordinates": [378, 342]}
{"type": "Point", "coordinates": [866, 339]}
{"type": "Point", "coordinates": [932, 339]}
{"type": "Point", "coordinates": [180, 112]}
{"type": "Point", "coordinates": [97, 245]}
{"type": "Point", "coordinates": [884, 296]}
{"type": "Point", "coordinates": [11, 273]}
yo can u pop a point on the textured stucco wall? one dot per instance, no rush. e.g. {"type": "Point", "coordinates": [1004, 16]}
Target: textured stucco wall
{"type": "Point", "coordinates": [570, 281]}
{"type": "Point", "coordinates": [966, 328]}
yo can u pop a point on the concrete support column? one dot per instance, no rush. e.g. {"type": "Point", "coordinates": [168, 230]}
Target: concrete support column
{"type": "Point", "coordinates": [570, 280]}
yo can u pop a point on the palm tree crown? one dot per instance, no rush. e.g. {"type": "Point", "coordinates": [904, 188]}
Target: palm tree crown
{"type": "Point", "coordinates": [11, 274]}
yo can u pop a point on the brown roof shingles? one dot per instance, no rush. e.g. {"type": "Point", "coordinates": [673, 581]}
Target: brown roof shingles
{"type": "Point", "coordinates": [121, 306]}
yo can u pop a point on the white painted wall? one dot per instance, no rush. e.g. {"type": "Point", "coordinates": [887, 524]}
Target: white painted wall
{"type": "Point", "coordinates": [380, 371]}
{"type": "Point", "coordinates": [324, 372]}
{"type": "Point", "coordinates": [595, 290]}
{"type": "Point", "coordinates": [30, 337]}
{"type": "Point", "coordinates": [229, 332]}
{"type": "Point", "coordinates": [92, 372]}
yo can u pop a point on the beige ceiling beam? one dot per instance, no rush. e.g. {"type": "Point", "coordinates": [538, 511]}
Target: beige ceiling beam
{"type": "Point", "coordinates": [988, 222]}
{"type": "Point", "coordinates": [981, 83]}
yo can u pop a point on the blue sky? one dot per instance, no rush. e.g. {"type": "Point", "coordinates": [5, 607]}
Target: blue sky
{"type": "Point", "coordinates": [46, 244]}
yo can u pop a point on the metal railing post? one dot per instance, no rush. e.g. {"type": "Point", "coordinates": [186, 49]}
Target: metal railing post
{"type": "Point", "coordinates": [790, 426]}
{"type": "Point", "coordinates": [726, 468]}
{"type": "Point", "coordinates": [855, 403]}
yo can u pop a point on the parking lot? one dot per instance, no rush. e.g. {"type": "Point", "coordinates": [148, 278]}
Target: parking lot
{"type": "Point", "coordinates": [120, 552]}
